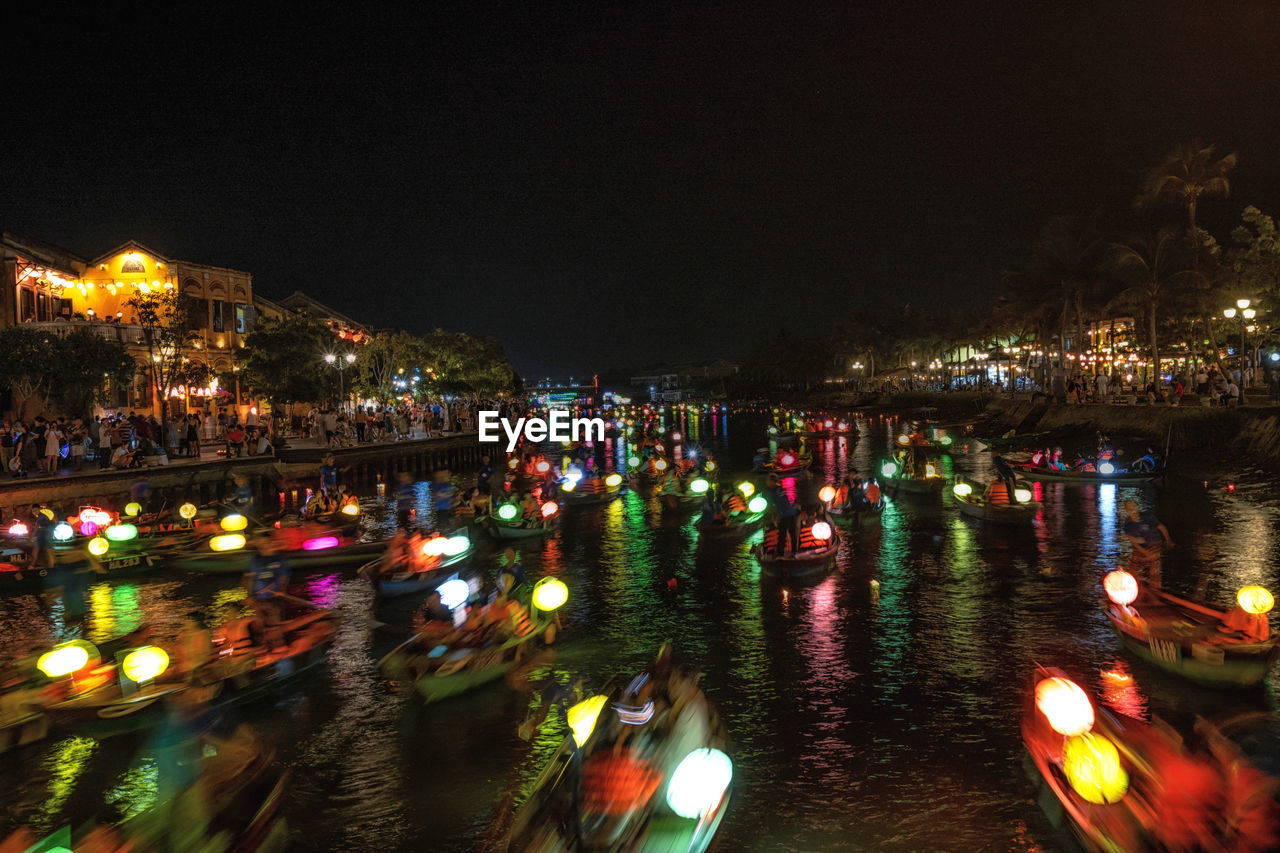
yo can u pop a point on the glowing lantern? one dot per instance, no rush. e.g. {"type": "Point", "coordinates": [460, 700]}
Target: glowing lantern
{"type": "Point", "coordinates": [711, 466]}
{"type": "Point", "coordinates": [63, 532]}
{"type": "Point", "coordinates": [889, 469]}
{"type": "Point", "coordinates": [1121, 587]}
{"type": "Point", "coordinates": [542, 467]}
{"type": "Point", "coordinates": [962, 490]}
{"type": "Point", "coordinates": [930, 470]}
{"type": "Point", "coordinates": [633, 461]}
{"type": "Point", "coordinates": [902, 439]}
{"type": "Point", "coordinates": [660, 465]}
{"type": "Point", "coordinates": [582, 718]}
{"type": "Point", "coordinates": [613, 481]}
{"type": "Point", "coordinates": [132, 509]}
{"type": "Point", "coordinates": [145, 664]}
{"type": "Point", "coordinates": [187, 511]}
{"type": "Point", "coordinates": [569, 485]}
{"type": "Point", "coordinates": [1106, 468]}
{"type": "Point", "coordinates": [549, 594]}
{"type": "Point", "coordinates": [946, 439]}
{"type": "Point", "coordinates": [1065, 705]}
{"type": "Point", "coordinates": [47, 513]}
{"type": "Point", "coordinates": [828, 424]}
{"type": "Point", "coordinates": [1255, 600]}
{"type": "Point", "coordinates": [549, 509]}
{"type": "Point", "coordinates": [1091, 764]}
{"type": "Point", "coordinates": [227, 542]}
{"type": "Point", "coordinates": [747, 489]}
{"type": "Point", "coordinates": [507, 512]}
{"type": "Point", "coordinates": [757, 505]}
{"type": "Point", "coordinates": [98, 546]}
{"type": "Point", "coordinates": [320, 543]}
{"type": "Point", "coordinates": [454, 593]}
{"type": "Point", "coordinates": [234, 522]}
{"type": "Point", "coordinates": [64, 660]}
{"type": "Point", "coordinates": [455, 545]}
{"type": "Point", "coordinates": [788, 459]}
{"type": "Point", "coordinates": [18, 529]}
{"type": "Point", "coordinates": [699, 486]}
{"type": "Point", "coordinates": [88, 528]}
{"type": "Point", "coordinates": [122, 532]}
{"type": "Point", "coordinates": [675, 436]}
{"type": "Point", "coordinates": [351, 509]}
{"type": "Point", "coordinates": [434, 547]}
{"type": "Point", "coordinates": [1022, 495]}
{"type": "Point", "coordinates": [698, 784]}
{"type": "Point", "coordinates": [513, 463]}
{"type": "Point", "coordinates": [821, 531]}
{"type": "Point", "coordinates": [827, 494]}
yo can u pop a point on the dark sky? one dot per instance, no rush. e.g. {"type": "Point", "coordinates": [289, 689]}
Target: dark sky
{"type": "Point", "coordinates": [600, 186]}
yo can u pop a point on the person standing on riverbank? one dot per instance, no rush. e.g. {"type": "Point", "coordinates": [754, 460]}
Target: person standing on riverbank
{"type": "Point", "coordinates": [1149, 539]}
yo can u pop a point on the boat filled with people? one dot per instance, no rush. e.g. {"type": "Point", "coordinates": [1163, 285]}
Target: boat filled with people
{"type": "Point", "coordinates": [644, 768]}
{"type": "Point", "coordinates": [811, 551]}
{"type": "Point", "coordinates": [996, 504]}
{"type": "Point", "coordinates": [1198, 641]}
{"type": "Point", "coordinates": [734, 516]}
{"type": "Point", "coordinates": [1117, 783]}
{"type": "Point", "coordinates": [414, 563]}
{"type": "Point", "coordinates": [900, 476]}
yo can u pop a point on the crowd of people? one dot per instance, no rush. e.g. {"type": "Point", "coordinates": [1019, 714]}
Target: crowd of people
{"type": "Point", "coordinates": [337, 428]}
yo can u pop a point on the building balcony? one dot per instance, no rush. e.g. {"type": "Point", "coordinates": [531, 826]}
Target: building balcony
{"type": "Point", "coordinates": [125, 333]}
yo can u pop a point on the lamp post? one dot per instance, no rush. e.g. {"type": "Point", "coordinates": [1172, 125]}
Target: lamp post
{"type": "Point", "coordinates": [1246, 315]}
{"type": "Point", "coordinates": [342, 364]}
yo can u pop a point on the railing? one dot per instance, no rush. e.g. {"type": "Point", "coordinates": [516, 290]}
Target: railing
{"type": "Point", "coordinates": [125, 333]}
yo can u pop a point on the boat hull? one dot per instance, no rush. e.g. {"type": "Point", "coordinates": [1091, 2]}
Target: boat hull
{"type": "Point", "coordinates": [858, 518]}
{"type": "Point", "coordinates": [1023, 513]}
{"type": "Point", "coordinates": [1056, 476]}
{"type": "Point", "coordinates": [236, 562]}
{"type": "Point", "coordinates": [805, 565]}
{"type": "Point", "coordinates": [1241, 665]}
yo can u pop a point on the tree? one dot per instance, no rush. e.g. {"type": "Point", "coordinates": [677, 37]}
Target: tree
{"type": "Point", "coordinates": [380, 361]}
{"type": "Point", "coordinates": [1189, 172]}
{"type": "Point", "coordinates": [1255, 260]}
{"type": "Point", "coordinates": [27, 360]}
{"type": "Point", "coordinates": [166, 333]}
{"type": "Point", "coordinates": [1152, 266]}
{"type": "Point", "coordinates": [1068, 255]}
{"type": "Point", "coordinates": [282, 359]}
{"type": "Point", "coordinates": [84, 365]}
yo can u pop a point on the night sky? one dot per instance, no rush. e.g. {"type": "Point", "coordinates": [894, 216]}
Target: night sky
{"type": "Point", "coordinates": [603, 187]}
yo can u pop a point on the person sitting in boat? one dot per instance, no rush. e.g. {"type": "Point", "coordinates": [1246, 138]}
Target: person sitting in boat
{"type": "Point", "coordinates": [242, 497]}
{"type": "Point", "coordinates": [786, 515]}
{"type": "Point", "coordinates": [1252, 627]}
{"type": "Point", "coordinates": [435, 611]}
{"type": "Point", "coordinates": [919, 444]}
{"type": "Point", "coordinates": [1055, 460]}
{"type": "Point", "coordinates": [872, 494]}
{"type": "Point", "coordinates": [194, 647]}
{"type": "Point", "coordinates": [1006, 473]}
{"type": "Point", "coordinates": [530, 511]}
{"type": "Point", "coordinates": [712, 511]}
{"type": "Point", "coordinates": [399, 556]}
{"type": "Point", "coordinates": [760, 460]}
{"type": "Point", "coordinates": [444, 494]}
{"type": "Point", "coordinates": [510, 572]}
{"type": "Point", "coordinates": [266, 581]}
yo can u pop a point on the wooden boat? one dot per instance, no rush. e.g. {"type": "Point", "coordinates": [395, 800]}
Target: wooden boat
{"type": "Point", "coordinates": [1187, 638]}
{"type": "Point", "coordinates": [813, 557]}
{"type": "Point", "coordinates": [1108, 786]}
{"type": "Point", "coordinates": [976, 505]}
{"type": "Point", "coordinates": [579, 801]}
{"type": "Point", "coordinates": [912, 485]}
{"type": "Point", "coordinates": [779, 467]}
{"type": "Point", "coordinates": [499, 529]}
{"type": "Point", "coordinates": [237, 672]}
{"type": "Point", "coordinates": [237, 561]}
{"type": "Point", "coordinates": [733, 527]}
{"type": "Point", "coordinates": [441, 664]}
{"type": "Point", "coordinates": [1069, 476]}
{"type": "Point", "coordinates": [397, 584]}
{"type": "Point", "coordinates": [590, 491]}
{"type": "Point", "coordinates": [858, 517]}
{"type": "Point", "coordinates": [22, 721]}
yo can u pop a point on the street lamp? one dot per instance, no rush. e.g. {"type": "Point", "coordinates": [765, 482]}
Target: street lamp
{"type": "Point", "coordinates": [1246, 314]}
{"type": "Point", "coordinates": [342, 364]}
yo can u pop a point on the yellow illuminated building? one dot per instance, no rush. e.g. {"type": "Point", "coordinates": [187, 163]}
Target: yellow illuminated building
{"type": "Point", "coordinates": [47, 287]}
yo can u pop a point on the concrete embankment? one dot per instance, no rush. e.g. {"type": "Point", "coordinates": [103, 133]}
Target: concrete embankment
{"type": "Point", "coordinates": [213, 480]}
{"type": "Point", "coordinates": [1253, 429]}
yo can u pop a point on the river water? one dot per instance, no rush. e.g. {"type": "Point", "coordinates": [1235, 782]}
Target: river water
{"type": "Point", "coordinates": [858, 722]}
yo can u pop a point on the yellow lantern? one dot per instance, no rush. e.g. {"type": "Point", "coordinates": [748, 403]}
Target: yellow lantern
{"type": "Point", "coordinates": [550, 594]}
{"type": "Point", "coordinates": [145, 664]}
{"type": "Point", "coordinates": [582, 718]}
{"type": "Point", "coordinates": [98, 546]}
{"type": "Point", "coordinates": [64, 659]}
{"type": "Point", "coordinates": [827, 494]}
{"type": "Point", "coordinates": [1255, 600]}
{"type": "Point", "coordinates": [613, 480]}
{"type": "Point", "coordinates": [1065, 705]}
{"type": "Point", "coordinates": [234, 522]}
{"type": "Point", "coordinates": [351, 509]}
{"type": "Point", "coordinates": [227, 542]}
{"type": "Point", "coordinates": [1091, 764]}
{"type": "Point", "coordinates": [187, 511]}
{"type": "Point", "coordinates": [132, 508]}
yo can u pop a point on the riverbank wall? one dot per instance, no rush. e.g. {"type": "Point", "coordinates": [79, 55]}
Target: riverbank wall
{"type": "Point", "coordinates": [291, 471]}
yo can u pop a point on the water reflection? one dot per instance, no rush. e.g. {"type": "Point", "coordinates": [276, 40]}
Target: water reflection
{"type": "Point", "coordinates": [859, 719]}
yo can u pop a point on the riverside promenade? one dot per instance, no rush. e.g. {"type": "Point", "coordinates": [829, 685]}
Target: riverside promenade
{"type": "Point", "coordinates": [211, 476]}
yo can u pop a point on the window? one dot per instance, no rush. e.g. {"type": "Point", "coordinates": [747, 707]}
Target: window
{"type": "Point", "coordinates": [197, 313]}
{"type": "Point", "coordinates": [26, 305]}
{"type": "Point", "coordinates": [132, 263]}
{"type": "Point", "coordinates": [64, 308]}
{"type": "Point", "coordinates": [218, 325]}
{"type": "Point", "coordinates": [241, 318]}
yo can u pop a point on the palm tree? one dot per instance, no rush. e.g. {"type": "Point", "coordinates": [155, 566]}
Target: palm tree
{"type": "Point", "coordinates": [1153, 266]}
{"type": "Point", "coordinates": [1189, 172]}
{"type": "Point", "coordinates": [1068, 255]}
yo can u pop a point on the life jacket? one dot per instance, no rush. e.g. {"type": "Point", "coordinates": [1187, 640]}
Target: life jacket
{"type": "Point", "coordinates": [807, 540]}
{"type": "Point", "coordinates": [997, 493]}
{"type": "Point", "coordinates": [735, 504]}
{"type": "Point", "coordinates": [772, 539]}
{"type": "Point", "coordinates": [520, 621]}
{"type": "Point", "coordinates": [617, 783]}
{"type": "Point", "coordinates": [873, 494]}
{"type": "Point", "coordinates": [842, 496]}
